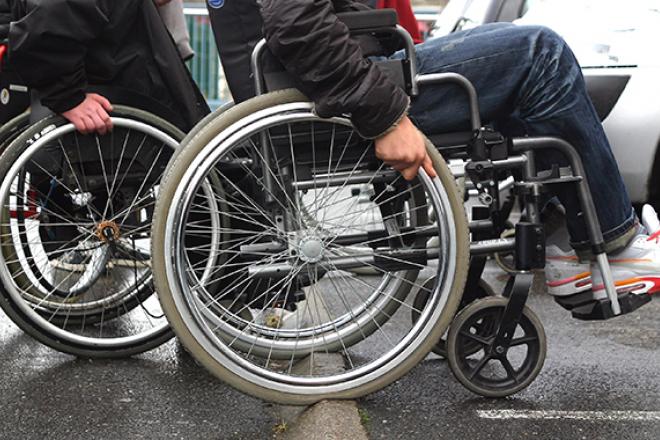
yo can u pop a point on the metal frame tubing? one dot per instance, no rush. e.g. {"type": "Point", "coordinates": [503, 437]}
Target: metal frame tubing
{"type": "Point", "coordinates": [521, 145]}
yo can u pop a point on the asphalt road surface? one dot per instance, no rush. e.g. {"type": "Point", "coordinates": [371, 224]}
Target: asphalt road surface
{"type": "Point", "coordinates": [162, 394]}
{"type": "Point", "coordinates": [600, 381]}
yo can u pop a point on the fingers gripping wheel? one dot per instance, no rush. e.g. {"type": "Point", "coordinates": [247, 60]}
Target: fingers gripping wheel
{"type": "Point", "coordinates": [75, 221]}
{"type": "Point", "coordinates": [483, 291]}
{"type": "Point", "coordinates": [290, 275]}
{"type": "Point", "coordinates": [487, 369]}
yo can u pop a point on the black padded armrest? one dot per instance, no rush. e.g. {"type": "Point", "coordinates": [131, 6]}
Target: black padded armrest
{"type": "Point", "coordinates": [361, 21]}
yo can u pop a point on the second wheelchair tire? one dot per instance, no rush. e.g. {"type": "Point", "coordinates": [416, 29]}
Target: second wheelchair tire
{"type": "Point", "coordinates": [80, 346]}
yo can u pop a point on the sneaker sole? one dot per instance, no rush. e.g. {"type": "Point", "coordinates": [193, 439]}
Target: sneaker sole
{"type": "Point", "coordinates": [637, 285]}
{"type": "Point", "coordinates": [570, 286]}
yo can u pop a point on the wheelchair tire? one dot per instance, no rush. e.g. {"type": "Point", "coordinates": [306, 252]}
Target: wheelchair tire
{"type": "Point", "coordinates": [94, 297]}
{"type": "Point", "coordinates": [13, 128]}
{"type": "Point", "coordinates": [230, 356]}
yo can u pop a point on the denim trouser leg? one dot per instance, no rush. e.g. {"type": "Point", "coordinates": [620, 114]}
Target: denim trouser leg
{"type": "Point", "coordinates": [529, 83]}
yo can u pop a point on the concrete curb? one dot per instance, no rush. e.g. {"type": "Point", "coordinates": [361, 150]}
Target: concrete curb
{"type": "Point", "coordinates": [326, 420]}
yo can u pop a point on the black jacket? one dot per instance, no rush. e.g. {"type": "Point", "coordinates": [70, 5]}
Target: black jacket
{"type": "Point", "coordinates": [5, 18]}
{"type": "Point", "coordinates": [314, 46]}
{"type": "Point", "coordinates": [62, 48]}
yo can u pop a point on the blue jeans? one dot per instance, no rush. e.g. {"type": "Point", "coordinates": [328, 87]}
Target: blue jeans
{"type": "Point", "coordinates": [529, 83]}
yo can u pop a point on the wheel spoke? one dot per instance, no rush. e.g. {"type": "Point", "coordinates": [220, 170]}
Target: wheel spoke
{"type": "Point", "coordinates": [525, 340]}
{"type": "Point", "coordinates": [478, 367]}
{"type": "Point", "coordinates": [510, 372]}
{"type": "Point", "coordinates": [476, 338]}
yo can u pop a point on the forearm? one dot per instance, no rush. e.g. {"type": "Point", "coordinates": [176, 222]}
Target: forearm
{"type": "Point", "coordinates": [316, 47]}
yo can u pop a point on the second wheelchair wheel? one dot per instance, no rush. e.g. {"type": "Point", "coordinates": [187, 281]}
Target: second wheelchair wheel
{"type": "Point", "coordinates": [75, 230]}
{"type": "Point", "coordinates": [264, 293]}
{"type": "Point", "coordinates": [488, 369]}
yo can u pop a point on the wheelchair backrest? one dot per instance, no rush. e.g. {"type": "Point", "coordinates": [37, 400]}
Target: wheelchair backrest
{"type": "Point", "coordinates": [377, 32]}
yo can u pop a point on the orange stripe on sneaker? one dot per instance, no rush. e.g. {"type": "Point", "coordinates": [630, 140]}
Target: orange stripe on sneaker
{"type": "Point", "coordinates": [631, 260]}
{"type": "Point", "coordinates": [577, 277]}
{"type": "Point", "coordinates": [633, 281]}
{"type": "Point", "coordinates": [628, 281]}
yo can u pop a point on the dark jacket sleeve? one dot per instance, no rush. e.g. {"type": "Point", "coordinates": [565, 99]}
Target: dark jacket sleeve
{"type": "Point", "coordinates": [48, 45]}
{"type": "Point", "coordinates": [316, 47]}
{"type": "Point", "coordinates": [5, 18]}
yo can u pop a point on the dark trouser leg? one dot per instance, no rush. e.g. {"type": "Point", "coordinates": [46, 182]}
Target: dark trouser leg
{"type": "Point", "coordinates": [528, 82]}
{"type": "Point", "coordinates": [237, 28]}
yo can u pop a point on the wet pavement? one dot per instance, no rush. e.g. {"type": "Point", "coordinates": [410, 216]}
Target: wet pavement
{"type": "Point", "coordinates": [159, 395]}
{"type": "Point", "coordinates": [604, 377]}
{"type": "Point", "coordinates": [601, 380]}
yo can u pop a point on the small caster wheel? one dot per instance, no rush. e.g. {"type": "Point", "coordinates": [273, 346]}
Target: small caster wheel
{"type": "Point", "coordinates": [494, 371]}
{"type": "Point", "coordinates": [484, 290]}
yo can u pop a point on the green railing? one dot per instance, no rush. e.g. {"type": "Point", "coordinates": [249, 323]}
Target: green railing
{"type": "Point", "coordinates": [205, 65]}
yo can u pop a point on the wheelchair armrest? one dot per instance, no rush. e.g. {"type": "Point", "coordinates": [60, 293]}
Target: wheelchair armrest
{"type": "Point", "coordinates": [366, 21]}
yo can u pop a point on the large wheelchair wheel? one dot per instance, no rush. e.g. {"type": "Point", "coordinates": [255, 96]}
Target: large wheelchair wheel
{"type": "Point", "coordinates": [75, 230]}
{"type": "Point", "coordinates": [255, 276]}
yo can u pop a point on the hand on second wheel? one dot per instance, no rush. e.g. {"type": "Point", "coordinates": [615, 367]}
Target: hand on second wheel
{"type": "Point", "coordinates": [91, 115]}
{"type": "Point", "coordinates": [404, 150]}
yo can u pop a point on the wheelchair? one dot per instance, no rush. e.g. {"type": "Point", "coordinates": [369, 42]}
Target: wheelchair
{"type": "Point", "coordinates": [297, 267]}
{"type": "Point", "coordinates": [75, 260]}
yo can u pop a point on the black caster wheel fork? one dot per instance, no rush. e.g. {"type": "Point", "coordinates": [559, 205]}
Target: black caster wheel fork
{"type": "Point", "coordinates": [517, 291]}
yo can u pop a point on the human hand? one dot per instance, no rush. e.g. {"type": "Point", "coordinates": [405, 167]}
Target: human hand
{"type": "Point", "coordinates": [404, 150]}
{"type": "Point", "coordinates": [161, 2]}
{"type": "Point", "coordinates": [91, 115]}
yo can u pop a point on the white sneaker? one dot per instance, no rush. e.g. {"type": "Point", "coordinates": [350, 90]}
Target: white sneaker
{"type": "Point", "coordinates": [636, 268]}
{"type": "Point", "coordinates": [564, 273]}
{"type": "Point", "coordinates": [650, 220]}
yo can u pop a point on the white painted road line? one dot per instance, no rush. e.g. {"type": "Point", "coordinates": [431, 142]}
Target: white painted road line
{"type": "Point", "coordinates": [575, 415]}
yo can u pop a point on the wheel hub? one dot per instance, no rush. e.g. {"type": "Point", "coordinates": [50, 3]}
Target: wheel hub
{"type": "Point", "coordinates": [107, 231]}
{"type": "Point", "coordinates": [311, 249]}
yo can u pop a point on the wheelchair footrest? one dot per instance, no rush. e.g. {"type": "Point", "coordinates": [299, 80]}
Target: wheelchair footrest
{"type": "Point", "coordinates": [599, 310]}
{"type": "Point", "coordinates": [572, 301]}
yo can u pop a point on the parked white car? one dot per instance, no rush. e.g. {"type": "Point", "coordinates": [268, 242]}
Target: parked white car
{"type": "Point", "coordinates": [616, 43]}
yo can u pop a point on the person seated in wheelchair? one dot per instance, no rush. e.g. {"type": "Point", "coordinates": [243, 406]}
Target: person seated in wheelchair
{"type": "Point", "coordinates": [529, 84]}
